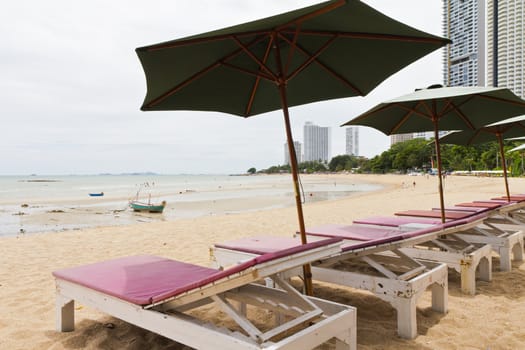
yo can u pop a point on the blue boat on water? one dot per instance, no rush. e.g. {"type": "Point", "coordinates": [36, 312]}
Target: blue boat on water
{"type": "Point", "coordinates": [100, 194]}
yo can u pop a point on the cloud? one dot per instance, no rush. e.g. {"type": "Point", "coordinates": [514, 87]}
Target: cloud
{"type": "Point", "coordinates": [72, 85]}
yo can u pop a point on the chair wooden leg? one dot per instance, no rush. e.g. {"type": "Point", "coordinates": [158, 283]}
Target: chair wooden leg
{"type": "Point", "coordinates": [505, 259]}
{"type": "Point", "coordinates": [485, 269]}
{"type": "Point", "coordinates": [65, 314]}
{"type": "Point", "coordinates": [406, 317]}
{"type": "Point", "coordinates": [440, 296]}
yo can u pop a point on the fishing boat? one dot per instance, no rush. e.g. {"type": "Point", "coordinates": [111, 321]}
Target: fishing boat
{"type": "Point", "coordinates": [147, 207]}
{"type": "Point", "coordinates": [100, 194]}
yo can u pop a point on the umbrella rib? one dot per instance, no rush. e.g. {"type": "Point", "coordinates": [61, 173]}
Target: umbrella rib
{"type": "Point", "coordinates": [462, 116]}
{"type": "Point", "coordinates": [293, 46]}
{"type": "Point", "coordinates": [183, 84]}
{"type": "Point", "coordinates": [258, 79]}
{"type": "Point", "coordinates": [449, 106]}
{"type": "Point", "coordinates": [311, 15]}
{"type": "Point", "coordinates": [204, 71]}
{"type": "Point", "coordinates": [222, 61]}
{"type": "Point", "coordinates": [373, 36]}
{"type": "Point", "coordinates": [519, 103]}
{"type": "Point", "coordinates": [410, 111]}
{"type": "Point", "coordinates": [190, 41]}
{"type": "Point", "coordinates": [255, 58]}
{"type": "Point", "coordinates": [473, 137]}
{"type": "Point", "coordinates": [313, 58]}
{"type": "Point", "coordinates": [248, 72]}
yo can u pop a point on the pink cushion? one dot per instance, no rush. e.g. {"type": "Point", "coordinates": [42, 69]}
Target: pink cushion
{"type": "Point", "coordinates": [395, 221]}
{"type": "Point", "coordinates": [352, 232]}
{"type": "Point", "coordinates": [433, 214]}
{"type": "Point", "coordinates": [464, 209]}
{"type": "Point", "coordinates": [140, 279]}
{"type": "Point", "coordinates": [260, 245]}
{"type": "Point", "coordinates": [482, 204]}
{"type": "Point", "coordinates": [146, 279]}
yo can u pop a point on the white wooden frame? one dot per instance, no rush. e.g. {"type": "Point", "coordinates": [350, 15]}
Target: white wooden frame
{"type": "Point", "coordinates": [508, 243]}
{"type": "Point", "coordinates": [321, 320]}
{"type": "Point", "coordinates": [401, 291]}
{"type": "Point", "coordinates": [467, 259]}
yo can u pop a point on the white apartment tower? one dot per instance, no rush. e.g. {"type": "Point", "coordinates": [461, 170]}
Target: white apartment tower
{"type": "Point", "coordinates": [297, 146]}
{"type": "Point", "coordinates": [464, 59]}
{"type": "Point", "coordinates": [352, 141]}
{"type": "Point", "coordinates": [505, 45]}
{"type": "Point", "coordinates": [316, 143]}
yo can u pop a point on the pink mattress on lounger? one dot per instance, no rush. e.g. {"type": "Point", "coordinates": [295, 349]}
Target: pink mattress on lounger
{"type": "Point", "coordinates": [434, 214]}
{"type": "Point", "coordinates": [395, 221]}
{"type": "Point", "coordinates": [147, 279]}
{"type": "Point", "coordinates": [260, 244]}
{"type": "Point", "coordinates": [352, 232]}
{"type": "Point", "coordinates": [481, 204]}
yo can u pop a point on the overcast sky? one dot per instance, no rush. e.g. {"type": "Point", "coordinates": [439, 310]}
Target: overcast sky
{"type": "Point", "coordinates": [71, 87]}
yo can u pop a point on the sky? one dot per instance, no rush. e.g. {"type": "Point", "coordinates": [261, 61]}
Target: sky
{"type": "Point", "coordinates": [71, 88]}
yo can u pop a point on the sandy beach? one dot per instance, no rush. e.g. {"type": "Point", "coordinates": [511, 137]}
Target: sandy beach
{"type": "Point", "coordinates": [492, 319]}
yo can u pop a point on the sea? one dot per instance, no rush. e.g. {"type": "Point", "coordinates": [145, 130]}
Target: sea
{"type": "Point", "coordinates": [40, 204]}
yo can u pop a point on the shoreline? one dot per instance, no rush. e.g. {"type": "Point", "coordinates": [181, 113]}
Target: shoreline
{"type": "Point", "coordinates": [490, 319]}
{"type": "Point", "coordinates": [41, 215]}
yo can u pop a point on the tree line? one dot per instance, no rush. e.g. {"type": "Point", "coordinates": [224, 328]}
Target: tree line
{"type": "Point", "coordinates": [418, 155]}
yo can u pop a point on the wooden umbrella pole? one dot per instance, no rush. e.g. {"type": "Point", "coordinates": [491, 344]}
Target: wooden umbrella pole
{"type": "Point", "coordinates": [295, 175]}
{"type": "Point", "coordinates": [307, 272]}
{"type": "Point", "coordinates": [504, 162]}
{"type": "Point", "coordinates": [438, 158]}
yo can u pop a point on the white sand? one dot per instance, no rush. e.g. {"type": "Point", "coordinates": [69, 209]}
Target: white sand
{"type": "Point", "coordinates": [492, 319]}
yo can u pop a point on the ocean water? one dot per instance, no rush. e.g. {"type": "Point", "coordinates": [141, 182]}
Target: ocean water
{"type": "Point", "coordinates": [37, 204]}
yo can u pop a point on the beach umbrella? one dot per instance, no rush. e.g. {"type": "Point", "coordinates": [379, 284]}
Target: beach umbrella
{"type": "Point", "coordinates": [330, 50]}
{"type": "Point", "coordinates": [440, 108]}
{"type": "Point", "coordinates": [518, 148]}
{"type": "Point", "coordinates": [499, 131]}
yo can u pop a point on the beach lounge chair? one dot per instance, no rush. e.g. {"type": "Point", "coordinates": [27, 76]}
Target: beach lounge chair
{"type": "Point", "coordinates": [368, 260]}
{"type": "Point", "coordinates": [488, 226]}
{"type": "Point", "coordinates": [159, 295]}
{"type": "Point", "coordinates": [468, 259]}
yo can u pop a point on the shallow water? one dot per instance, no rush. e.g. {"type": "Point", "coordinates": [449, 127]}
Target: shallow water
{"type": "Point", "coordinates": [53, 203]}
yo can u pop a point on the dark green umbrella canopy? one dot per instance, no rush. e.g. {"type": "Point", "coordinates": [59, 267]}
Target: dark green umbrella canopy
{"type": "Point", "coordinates": [442, 108]}
{"type": "Point", "coordinates": [453, 108]}
{"type": "Point", "coordinates": [506, 129]}
{"type": "Point", "coordinates": [331, 50]}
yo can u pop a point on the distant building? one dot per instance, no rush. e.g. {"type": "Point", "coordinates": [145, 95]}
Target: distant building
{"type": "Point", "coordinates": [316, 143]}
{"type": "Point", "coordinates": [506, 45]}
{"type": "Point", "coordinates": [352, 141]}
{"type": "Point", "coordinates": [400, 138]}
{"type": "Point", "coordinates": [297, 146]}
{"type": "Point", "coordinates": [464, 59]}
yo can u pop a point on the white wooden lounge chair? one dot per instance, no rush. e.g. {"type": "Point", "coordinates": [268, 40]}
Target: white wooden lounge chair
{"type": "Point", "coordinates": [392, 275]}
{"type": "Point", "coordinates": [470, 260]}
{"type": "Point", "coordinates": [486, 227]}
{"type": "Point", "coordinates": [159, 294]}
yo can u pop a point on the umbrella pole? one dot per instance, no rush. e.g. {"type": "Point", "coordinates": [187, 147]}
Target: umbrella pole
{"type": "Point", "coordinates": [295, 175]}
{"type": "Point", "coordinates": [438, 158]}
{"type": "Point", "coordinates": [504, 162]}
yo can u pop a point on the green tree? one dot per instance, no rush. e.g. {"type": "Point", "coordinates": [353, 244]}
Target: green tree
{"type": "Point", "coordinates": [251, 171]}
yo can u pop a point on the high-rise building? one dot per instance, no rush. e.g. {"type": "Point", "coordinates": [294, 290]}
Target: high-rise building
{"type": "Point", "coordinates": [464, 59]}
{"type": "Point", "coordinates": [505, 45]}
{"type": "Point", "coordinates": [352, 141]}
{"type": "Point", "coordinates": [297, 146]}
{"type": "Point", "coordinates": [316, 143]}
